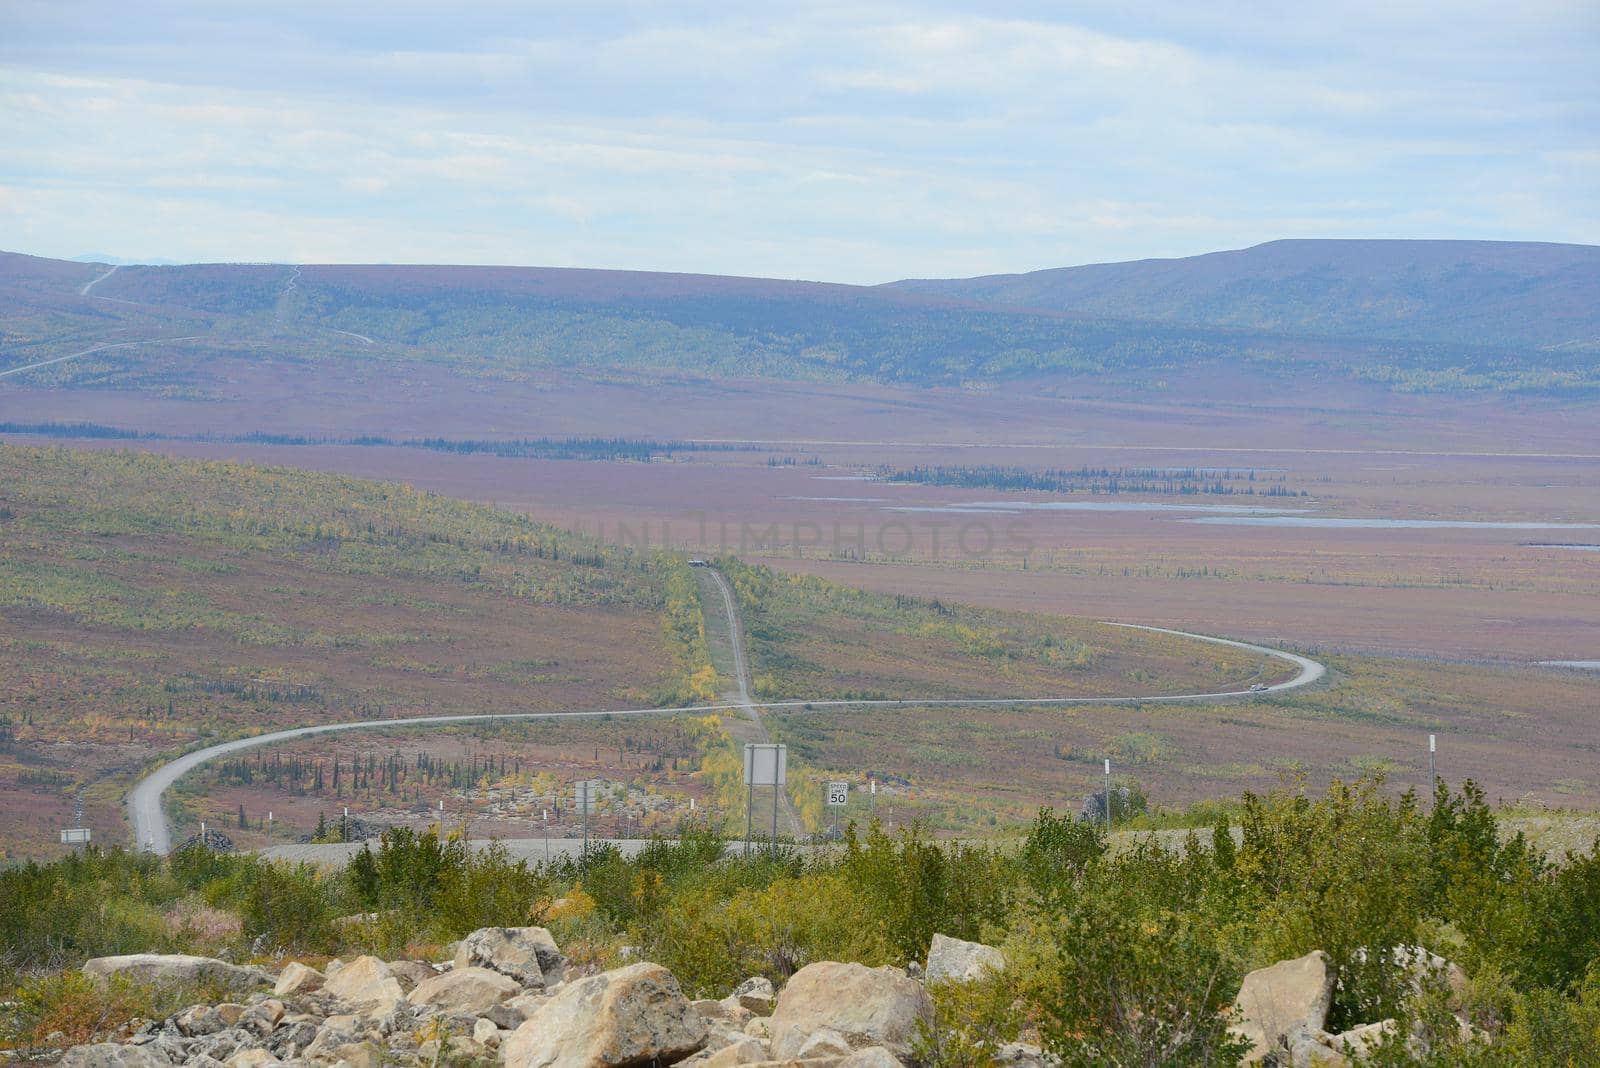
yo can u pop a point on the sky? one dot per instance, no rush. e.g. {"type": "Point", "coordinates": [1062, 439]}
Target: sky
{"type": "Point", "coordinates": [857, 142]}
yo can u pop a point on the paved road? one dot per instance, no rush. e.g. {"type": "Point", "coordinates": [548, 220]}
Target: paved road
{"type": "Point", "coordinates": [96, 348]}
{"type": "Point", "coordinates": [149, 821]}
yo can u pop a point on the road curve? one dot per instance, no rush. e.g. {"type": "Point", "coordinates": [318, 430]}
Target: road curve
{"type": "Point", "coordinates": [149, 821]}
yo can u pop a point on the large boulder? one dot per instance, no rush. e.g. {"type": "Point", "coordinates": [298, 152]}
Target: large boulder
{"type": "Point", "coordinates": [468, 991]}
{"type": "Point", "coordinates": [631, 1016]}
{"type": "Point", "coordinates": [867, 1006]}
{"type": "Point", "coordinates": [366, 982]}
{"type": "Point", "coordinates": [527, 954]}
{"type": "Point", "coordinates": [297, 978]}
{"type": "Point", "coordinates": [410, 973]}
{"type": "Point", "coordinates": [953, 960]}
{"type": "Point", "coordinates": [1275, 1001]}
{"type": "Point", "coordinates": [111, 1055]}
{"type": "Point", "coordinates": [163, 969]}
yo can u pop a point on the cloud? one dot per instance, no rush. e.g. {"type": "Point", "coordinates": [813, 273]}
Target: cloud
{"type": "Point", "coordinates": [857, 142]}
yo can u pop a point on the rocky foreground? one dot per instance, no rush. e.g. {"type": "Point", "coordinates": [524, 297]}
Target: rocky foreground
{"type": "Point", "coordinates": [504, 998]}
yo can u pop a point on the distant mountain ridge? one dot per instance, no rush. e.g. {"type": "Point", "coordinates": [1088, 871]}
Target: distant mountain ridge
{"type": "Point", "coordinates": [1466, 292]}
{"type": "Point", "coordinates": [1410, 315]}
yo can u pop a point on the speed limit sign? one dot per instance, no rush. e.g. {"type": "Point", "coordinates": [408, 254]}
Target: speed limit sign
{"type": "Point", "coordinates": [838, 794]}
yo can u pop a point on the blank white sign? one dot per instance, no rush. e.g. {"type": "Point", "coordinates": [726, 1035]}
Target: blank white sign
{"type": "Point", "coordinates": [766, 765]}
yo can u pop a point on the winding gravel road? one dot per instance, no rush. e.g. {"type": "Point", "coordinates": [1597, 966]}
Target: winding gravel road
{"type": "Point", "coordinates": [152, 833]}
{"type": "Point", "coordinates": [96, 348]}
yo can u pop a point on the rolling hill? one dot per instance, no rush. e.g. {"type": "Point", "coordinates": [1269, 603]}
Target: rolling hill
{"type": "Point", "coordinates": [1439, 316]}
{"type": "Point", "coordinates": [1453, 292]}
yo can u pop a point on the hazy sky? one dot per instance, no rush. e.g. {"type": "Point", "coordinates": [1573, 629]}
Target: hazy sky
{"type": "Point", "coordinates": [854, 142]}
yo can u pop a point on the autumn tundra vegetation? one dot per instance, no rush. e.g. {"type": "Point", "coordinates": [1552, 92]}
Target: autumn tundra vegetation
{"type": "Point", "coordinates": [1472, 949]}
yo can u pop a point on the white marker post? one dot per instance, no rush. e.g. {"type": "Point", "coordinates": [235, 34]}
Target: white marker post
{"type": "Point", "coordinates": [547, 836]}
{"type": "Point", "coordinates": [1433, 776]}
{"type": "Point", "coordinates": [1108, 796]}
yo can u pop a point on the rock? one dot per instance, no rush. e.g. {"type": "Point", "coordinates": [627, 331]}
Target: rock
{"type": "Point", "coordinates": [411, 972]}
{"type": "Point", "coordinates": [867, 1006]}
{"type": "Point", "coordinates": [251, 1058]}
{"type": "Point", "coordinates": [760, 1027]}
{"type": "Point", "coordinates": [513, 1014]}
{"type": "Point", "coordinates": [292, 1036]}
{"type": "Point", "coordinates": [952, 960]}
{"type": "Point", "coordinates": [756, 994]}
{"type": "Point", "coordinates": [466, 990]}
{"type": "Point", "coordinates": [175, 968]}
{"type": "Point", "coordinates": [1424, 968]}
{"type": "Point", "coordinates": [871, 1057]}
{"type": "Point", "coordinates": [1311, 1049]}
{"type": "Point", "coordinates": [263, 1016]}
{"type": "Point", "coordinates": [367, 982]}
{"type": "Point", "coordinates": [220, 1046]}
{"type": "Point", "coordinates": [1274, 1001]}
{"type": "Point", "coordinates": [198, 1020]}
{"type": "Point", "coordinates": [743, 1051]}
{"type": "Point", "coordinates": [631, 1016]}
{"type": "Point", "coordinates": [296, 978]}
{"type": "Point", "coordinates": [111, 1055]}
{"type": "Point", "coordinates": [485, 1033]}
{"type": "Point", "coordinates": [527, 954]}
{"type": "Point", "coordinates": [819, 1044]}
{"type": "Point", "coordinates": [726, 1010]}
{"type": "Point", "coordinates": [1022, 1055]}
{"type": "Point", "coordinates": [355, 1055]}
{"type": "Point", "coordinates": [1360, 1041]}
{"type": "Point", "coordinates": [336, 1033]}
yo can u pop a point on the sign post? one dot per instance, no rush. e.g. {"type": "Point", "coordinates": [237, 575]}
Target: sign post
{"type": "Point", "coordinates": [583, 797]}
{"type": "Point", "coordinates": [838, 794]}
{"type": "Point", "coordinates": [1108, 796]}
{"type": "Point", "coordinates": [765, 764]}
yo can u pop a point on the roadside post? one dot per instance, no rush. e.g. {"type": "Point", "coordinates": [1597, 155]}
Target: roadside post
{"type": "Point", "coordinates": [1433, 776]}
{"type": "Point", "coordinates": [1108, 797]}
{"type": "Point", "coordinates": [583, 797]}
